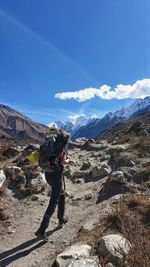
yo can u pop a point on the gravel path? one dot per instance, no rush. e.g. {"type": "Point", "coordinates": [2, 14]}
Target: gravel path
{"type": "Point", "coordinates": [20, 247]}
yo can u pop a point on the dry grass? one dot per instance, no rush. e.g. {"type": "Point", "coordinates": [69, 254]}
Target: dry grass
{"type": "Point", "coordinates": [132, 219]}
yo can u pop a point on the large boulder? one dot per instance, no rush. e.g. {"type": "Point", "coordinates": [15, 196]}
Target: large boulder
{"type": "Point", "coordinates": [115, 247]}
{"type": "Point", "coordinates": [97, 172]}
{"type": "Point", "coordinates": [74, 252]}
{"type": "Point", "coordinates": [110, 189]}
{"type": "Point", "coordinates": [38, 183]}
{"type": "Point", "coordinates": [13, 172]}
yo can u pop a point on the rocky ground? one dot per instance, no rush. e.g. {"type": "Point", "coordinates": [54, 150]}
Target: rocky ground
{"type": "Point", "coordinates": [100, 175]}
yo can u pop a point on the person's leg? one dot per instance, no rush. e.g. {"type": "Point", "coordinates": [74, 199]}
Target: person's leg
{"type": "Point", "coordinates": [61, 205]}
{"type": "Point", "coordinates": [55, 195]}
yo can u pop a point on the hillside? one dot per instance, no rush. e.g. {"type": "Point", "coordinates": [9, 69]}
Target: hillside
{"type": "Point", "coordinates": [14, 124]}
{"type": "Point", "coordinates": [139, 122]}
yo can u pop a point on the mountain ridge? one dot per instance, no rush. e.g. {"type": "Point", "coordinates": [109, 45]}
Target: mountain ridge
{"type": "Point", "coordinates": [91, 130]}
{"type": "Point", "coordinates": [17, 125]}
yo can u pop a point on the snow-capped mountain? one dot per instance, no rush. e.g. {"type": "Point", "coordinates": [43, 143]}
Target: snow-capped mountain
{"type": "Point", "coordinates": [93, 128]}
{"type": "Point", "coordinates": [73, 125]}
{"type": "Point", "coordinates": [138, 105]}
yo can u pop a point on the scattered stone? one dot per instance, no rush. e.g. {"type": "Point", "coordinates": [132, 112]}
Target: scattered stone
{"type": "Point", "coordinates": [10, 230]}
{"type": "Point", "coordinates": [131, 163]}
{"type": "Point", "coordinates": [77, 174]}
{"type": "Point", "coordinates": [85, 165]}
{"type": "Point", "coordinates": [117, 176]}
{"type": "Point", "coordinates": [35, 198]}
{"type": "Point", "coordinates": [85, 195]}
{"type": "Point", "coordinates": [104, 157]}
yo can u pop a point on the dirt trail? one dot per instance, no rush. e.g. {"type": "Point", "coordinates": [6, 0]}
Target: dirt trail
{"type": "Point", "coordinates": [22, 248]}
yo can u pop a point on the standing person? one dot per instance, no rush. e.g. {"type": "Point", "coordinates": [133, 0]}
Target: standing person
{"type": "Point", "coordinates": [55, 178]}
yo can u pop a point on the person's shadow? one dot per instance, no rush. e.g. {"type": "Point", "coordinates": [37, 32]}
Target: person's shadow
{"type": "Point", "coordinates": [7, 257]}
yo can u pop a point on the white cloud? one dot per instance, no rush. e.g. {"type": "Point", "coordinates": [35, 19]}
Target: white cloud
{"type": "Point", "coordinates": [139, 89]}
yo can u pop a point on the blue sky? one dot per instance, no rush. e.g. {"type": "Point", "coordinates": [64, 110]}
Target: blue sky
{"type": "Point", "coordinates": [65, 58]}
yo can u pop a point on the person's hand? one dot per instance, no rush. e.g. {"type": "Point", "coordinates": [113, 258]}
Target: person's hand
{"type": "Point", "coordinates": [64, 159]}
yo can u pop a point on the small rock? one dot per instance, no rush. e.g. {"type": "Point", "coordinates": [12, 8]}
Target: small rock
{"type": "Point", "coordinates": [34, 198]}
{"type": "Point", "coordinates": [117, 176]}
{"type": "Point", "coordinates": [10, 230]}
{"type": "Point", "coordinates": [2, 178]}
{"type": "Point", "coordinates": [100, 171]}
{"type": "Point", "coordinates": [90, 224]}
{"type": "Point", "coordinates": [85, 195]}
{"type": "Point", "coordinates": [85, 165]}
{"type": "Point", "coordinates": [84, 263]}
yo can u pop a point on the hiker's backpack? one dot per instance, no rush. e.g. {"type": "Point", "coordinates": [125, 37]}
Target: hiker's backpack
{"type": "Point", "coordinates": [46, 152]}
{"type": "Point", "coordinates": [50, 151]}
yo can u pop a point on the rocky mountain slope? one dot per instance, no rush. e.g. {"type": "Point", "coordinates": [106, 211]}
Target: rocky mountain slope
{"type": "Point", "coordinates": [14, 124]}
{"type": "Point", "coordinates": [96, 126]}
{"type": "Point", "coordinates": [138, 123]}
{"type": "Point", "coordinates": [107, 202]}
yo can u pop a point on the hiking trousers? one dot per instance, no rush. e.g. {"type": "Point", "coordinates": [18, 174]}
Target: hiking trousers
{"type": "Point", "coordinates": [56, 181]}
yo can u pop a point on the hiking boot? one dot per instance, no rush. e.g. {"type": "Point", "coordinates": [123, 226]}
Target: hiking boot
{"type": "Point", "coordinates": [62, 221]}
{"type": "Point", "coordinates": [41, 235]}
